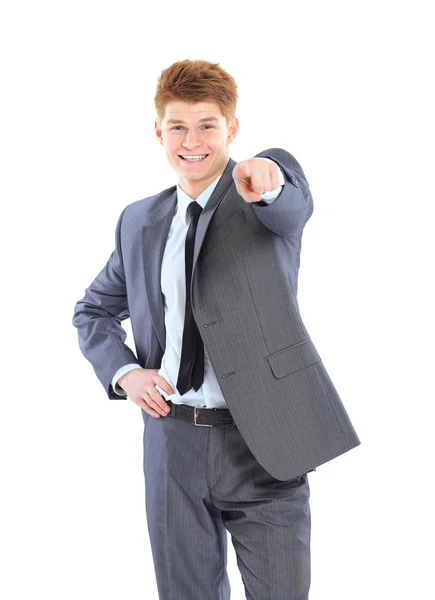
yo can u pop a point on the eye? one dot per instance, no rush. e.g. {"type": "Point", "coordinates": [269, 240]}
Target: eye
{"type": "Point", "coordinates": [177, 126]}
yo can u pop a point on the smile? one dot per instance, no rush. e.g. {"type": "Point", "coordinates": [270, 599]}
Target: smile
{"type": "Point", "coordinates": [193, 158]}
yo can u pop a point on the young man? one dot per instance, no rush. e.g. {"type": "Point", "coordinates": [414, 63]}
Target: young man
{"type": "Point", "coordinates": [207, 271]}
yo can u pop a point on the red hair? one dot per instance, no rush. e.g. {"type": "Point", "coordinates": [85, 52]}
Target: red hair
{"type": "Point", "coordinates": [196, 81]}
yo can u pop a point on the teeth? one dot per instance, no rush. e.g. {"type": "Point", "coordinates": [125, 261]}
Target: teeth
{"type": "Point", "coordinates": [198, 157]}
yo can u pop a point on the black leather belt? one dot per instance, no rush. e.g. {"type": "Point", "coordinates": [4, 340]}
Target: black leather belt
{"type": "Point", "coordinates": [201, 417]}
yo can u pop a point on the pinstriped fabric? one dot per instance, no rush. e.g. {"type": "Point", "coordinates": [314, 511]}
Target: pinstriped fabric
{"type": "Point", "coordinates": [244, 301]}
{"type": "Point", "coordinates": [202, 482]}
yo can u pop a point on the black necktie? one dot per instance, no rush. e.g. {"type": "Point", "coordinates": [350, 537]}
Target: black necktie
{"type": "Point", "coordinates": [191, 373]}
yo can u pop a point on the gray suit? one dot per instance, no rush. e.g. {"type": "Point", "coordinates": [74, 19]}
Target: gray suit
{"type": "Point", "coordinates": [249, 478]}
{"type": "Point", "coordinates": [247, 258]}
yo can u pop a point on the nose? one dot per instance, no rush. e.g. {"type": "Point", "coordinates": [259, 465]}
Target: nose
{"type": "Point", "coordinates": [190, 141]}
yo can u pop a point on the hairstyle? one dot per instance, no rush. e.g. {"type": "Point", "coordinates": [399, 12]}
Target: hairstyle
{"type": "Point", "coordinates": [196, 81]}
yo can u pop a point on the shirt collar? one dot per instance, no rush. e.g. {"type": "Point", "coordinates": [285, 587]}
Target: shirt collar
{"type": "Point", "coordinates": [184, 200]}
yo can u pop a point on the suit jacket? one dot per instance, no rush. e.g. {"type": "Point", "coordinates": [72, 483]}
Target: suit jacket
{"type": "Point", "coordinates": [244, 300]}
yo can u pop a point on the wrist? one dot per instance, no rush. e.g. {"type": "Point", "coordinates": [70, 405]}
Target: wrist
{"type": "Point", "coordinates": [122, 379]}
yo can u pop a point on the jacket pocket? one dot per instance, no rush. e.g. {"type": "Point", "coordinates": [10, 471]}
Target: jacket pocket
{"type": "Point", "coordinates": [293, 358]}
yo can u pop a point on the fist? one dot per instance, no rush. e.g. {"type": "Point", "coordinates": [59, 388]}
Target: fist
{"type": "Point", "coordinates": [254, 177]}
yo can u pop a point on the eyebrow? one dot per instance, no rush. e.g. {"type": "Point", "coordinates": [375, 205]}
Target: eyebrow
{"type": "Point", "coordinates": [200, 120]}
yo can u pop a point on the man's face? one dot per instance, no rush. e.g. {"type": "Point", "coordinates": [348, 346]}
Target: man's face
{"type": "Point", "coordinates": [200, 129]}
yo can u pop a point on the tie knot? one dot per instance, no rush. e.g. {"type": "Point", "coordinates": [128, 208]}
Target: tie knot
{"type": "Point", "coordinates": [194, 209]}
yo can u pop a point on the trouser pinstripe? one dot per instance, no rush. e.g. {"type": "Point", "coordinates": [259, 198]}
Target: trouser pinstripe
{"type": "Point", "coordinates": [201, 482]}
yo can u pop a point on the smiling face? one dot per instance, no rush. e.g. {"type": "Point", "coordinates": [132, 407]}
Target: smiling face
{"type": "Point", "coordinates": [196, 129]}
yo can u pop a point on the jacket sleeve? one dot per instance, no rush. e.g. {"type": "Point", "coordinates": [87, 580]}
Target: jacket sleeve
{"type": "Point", "coordinates": [98, 317]}
{"type": "Point", "coordinates": [288, 214]}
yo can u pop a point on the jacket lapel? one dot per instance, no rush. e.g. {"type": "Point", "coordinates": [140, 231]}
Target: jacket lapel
{"type": "Point", "coordinates": [154, 236]}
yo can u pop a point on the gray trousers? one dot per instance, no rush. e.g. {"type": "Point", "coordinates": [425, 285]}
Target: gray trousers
{"type": "Point", "coordinates": [201, 482]}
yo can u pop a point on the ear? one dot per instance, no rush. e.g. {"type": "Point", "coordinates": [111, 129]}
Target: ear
{"type": "Point", "coordinates": [158, 131]}
{"type": "Point", "coordinates": [233, 129]}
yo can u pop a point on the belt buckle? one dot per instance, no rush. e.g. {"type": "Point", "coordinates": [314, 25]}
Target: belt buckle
{"type": "Point", "coordinates": [194, 418]}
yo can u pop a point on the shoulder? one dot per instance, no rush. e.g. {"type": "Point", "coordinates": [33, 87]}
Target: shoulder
{"type": "Point", "coordinates": [139, 210]}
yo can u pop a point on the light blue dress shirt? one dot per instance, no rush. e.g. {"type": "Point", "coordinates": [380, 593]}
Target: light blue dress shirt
{"type": "Point", "coordinates": [174, 293]}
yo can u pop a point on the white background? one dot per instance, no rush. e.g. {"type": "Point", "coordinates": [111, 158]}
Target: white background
{"type": "Point", "coordinates": [347, 88]}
